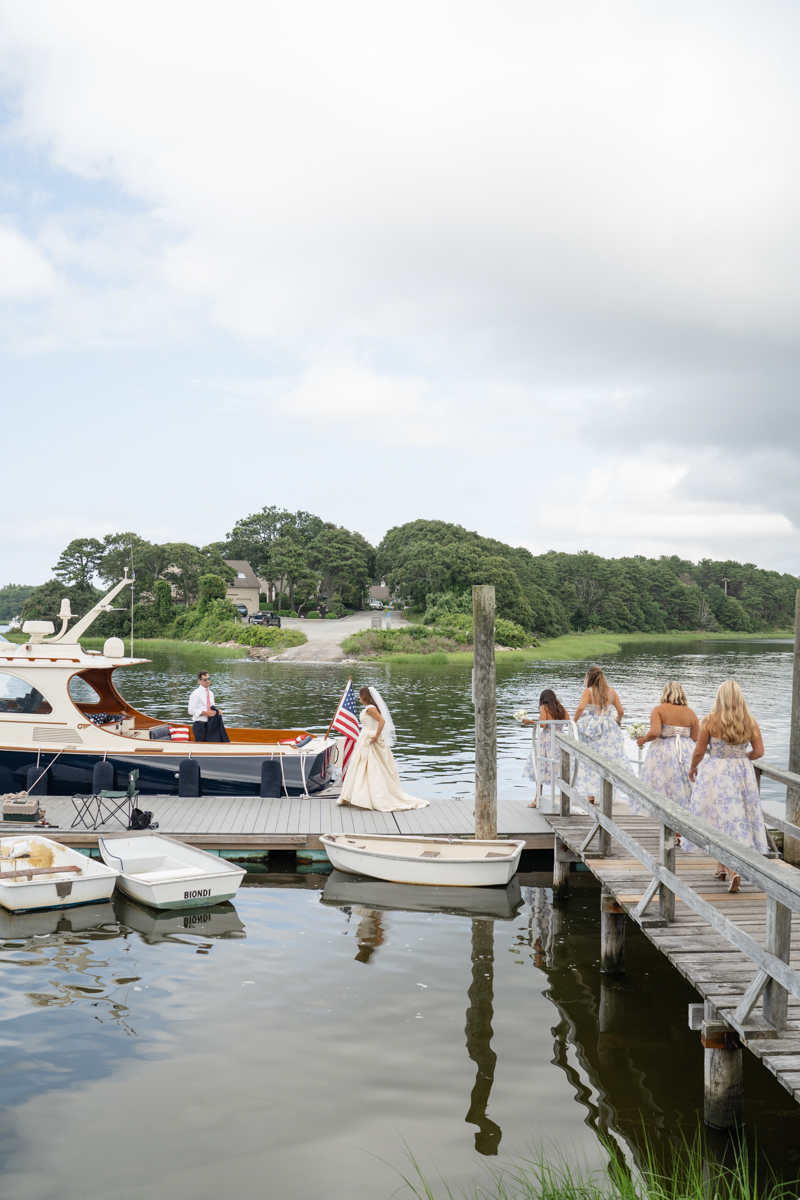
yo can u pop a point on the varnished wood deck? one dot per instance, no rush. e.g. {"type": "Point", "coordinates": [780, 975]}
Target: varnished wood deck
{"type": "Point", "coordinates": [718, 971]}
{"type": "Point", "coordinates": [251, 823]}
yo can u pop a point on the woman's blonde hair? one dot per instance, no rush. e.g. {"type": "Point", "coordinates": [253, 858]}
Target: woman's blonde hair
{"type": "Point", "coordinates": [598, 685]}
{"type": "Point", "coordinates": [673, 693]}
{"type": "Point", "coordinates": [730, 718]}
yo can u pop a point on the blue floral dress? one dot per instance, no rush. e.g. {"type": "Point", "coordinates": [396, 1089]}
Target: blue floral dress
{"type": "Point", "coordinates": [666, 766]}
{"type": "Point", "coordinates": [599, 729]}
{"type": "Point", "coordinates": [726, 795]}
{"type": "Point", "coordinates": [546, 750]}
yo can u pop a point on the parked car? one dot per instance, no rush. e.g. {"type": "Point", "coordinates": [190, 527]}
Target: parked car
{"type": "Point", "coordinates": [265, 618]}
{"type": "Point", "coordinates": [242, 610]}
{"type": "Point", "coordinates": [376, 604]}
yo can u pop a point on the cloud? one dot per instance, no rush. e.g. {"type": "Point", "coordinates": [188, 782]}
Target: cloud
{"type": "Point", "coordinates": [537, 235]}
{"type": "Point", "coordinates": [25, 272]}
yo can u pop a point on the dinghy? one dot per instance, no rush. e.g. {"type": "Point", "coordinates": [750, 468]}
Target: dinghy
{"type": "Point", "coordinates": [37, 873]}
{"type": "Point", "coordinates": [437, 861]}
{"type": "Point", "coordinates": [494, 903]}
{"type": "Point", "coordinates": [165, 873]}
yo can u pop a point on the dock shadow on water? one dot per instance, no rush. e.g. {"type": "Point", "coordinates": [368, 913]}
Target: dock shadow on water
{"type": "Point", "coordinates": [292, 1041]}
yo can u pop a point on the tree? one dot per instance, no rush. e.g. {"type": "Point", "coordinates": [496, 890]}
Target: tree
{"type": "Point", "coordinates": [290, 565]}
{"type": "Point", "coordinates": [340, 560]}
{"type": "Point", "coordinates": [80, 562]}
{"type": "Point", "coordinates": [12, 598]}
{"type": "Point", "coordinates": [162, 593]}
{"type": "Point", "coordinates": [211, 587]}
{"type": "Point", "coordinates": [44, 602]}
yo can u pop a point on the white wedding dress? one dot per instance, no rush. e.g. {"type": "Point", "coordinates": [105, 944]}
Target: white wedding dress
{"type": "Point", "coordinates": [372, 780]}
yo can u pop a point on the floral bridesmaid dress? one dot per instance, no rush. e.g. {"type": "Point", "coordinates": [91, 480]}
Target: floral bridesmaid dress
{"type": "Point", "coordinates": [599, 729]}
{"type": "Point", "coordinates": [666, 766]}
{"type": "Point", "coordinates": [726, 795]}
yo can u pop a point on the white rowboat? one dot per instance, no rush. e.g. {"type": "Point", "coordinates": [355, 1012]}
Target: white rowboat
{"type": "Point", "coordinates": [165, 873]}
{"type": "Point", "coordinates": [438, 861]}
{"type": "Point", "coordinates": [37, 873]}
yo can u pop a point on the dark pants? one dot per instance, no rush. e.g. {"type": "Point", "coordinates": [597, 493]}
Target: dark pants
{"type": "Point", "coordinates": [212, 730]}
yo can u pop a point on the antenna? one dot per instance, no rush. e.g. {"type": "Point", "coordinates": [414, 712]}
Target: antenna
{"type": "Point", "coordinates": [133, 580]}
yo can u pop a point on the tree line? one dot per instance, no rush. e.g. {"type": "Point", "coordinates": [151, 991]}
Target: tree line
{"type": "Point", "coordinates": [435, 564]}
{"type": "Point", "coordinates": [315, 565]}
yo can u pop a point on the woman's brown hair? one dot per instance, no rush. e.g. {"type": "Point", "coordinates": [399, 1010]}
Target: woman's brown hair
{"type": "Point", "coordinates": [555, 708]}
{"type": "Point", "coordinates": [598, 685]}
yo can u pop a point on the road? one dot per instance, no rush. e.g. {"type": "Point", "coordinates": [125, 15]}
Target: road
{"type": "Point", "coordinates": [325, 637]}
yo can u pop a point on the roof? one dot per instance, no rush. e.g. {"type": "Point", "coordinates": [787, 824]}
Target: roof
{"type": "Point", "coordinates": [379, 591]}
{"type": "Point", "coordinates": [246, 576]}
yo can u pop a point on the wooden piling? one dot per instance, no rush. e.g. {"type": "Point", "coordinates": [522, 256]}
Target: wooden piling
{"type": "Point", "coordinates": [483, 610]}
{"type": "Point", "coordinates": [791, 846]}
{"type": "Point", "coordinates": [612, 934]}
{"type": "Point", "coordinates": [562, 857]}
{"type": "Point", "coordinates": [723, 1097]}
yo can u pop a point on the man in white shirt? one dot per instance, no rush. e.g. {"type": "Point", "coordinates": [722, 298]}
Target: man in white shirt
{"type": "Point", "coordinates": [201, 707]}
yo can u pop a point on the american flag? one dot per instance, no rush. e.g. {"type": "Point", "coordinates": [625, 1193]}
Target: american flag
{"type": "Point", "coordinates": [346, 721]}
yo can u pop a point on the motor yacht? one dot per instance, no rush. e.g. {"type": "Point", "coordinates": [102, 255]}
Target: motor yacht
{"type": "Point", "coordinates": [42, 726]}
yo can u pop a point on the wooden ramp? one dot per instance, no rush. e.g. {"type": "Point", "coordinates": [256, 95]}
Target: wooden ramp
{"type": "Point", "coordinates": [718, 971]}
{"type": "Point", "coordinates": [253, 823]}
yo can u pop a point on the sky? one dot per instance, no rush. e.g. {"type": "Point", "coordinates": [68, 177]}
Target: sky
{"type": "Point", "coordinates": [527, 267]}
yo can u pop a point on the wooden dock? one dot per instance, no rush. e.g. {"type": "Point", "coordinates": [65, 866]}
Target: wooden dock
{"type": "Point", "coordinates": [295, 822]}
{"type": "Point", "coordinates": [716, 969]}
{"type": "Point", "coordinates": [738, 950]}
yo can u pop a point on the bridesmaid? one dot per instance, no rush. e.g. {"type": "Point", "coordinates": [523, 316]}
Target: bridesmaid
{"type": "Point", "coordinates": [725, 791]}
{"type": "Point", "coordinates": [672, 736]}
{"type": "Point", "coordinates": [599, 728]}
{"type": "Point", "coordinates": [550, 709]}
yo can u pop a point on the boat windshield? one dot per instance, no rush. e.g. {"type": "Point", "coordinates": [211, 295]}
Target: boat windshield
{"type": "Point", "coordinates": [19, 696]}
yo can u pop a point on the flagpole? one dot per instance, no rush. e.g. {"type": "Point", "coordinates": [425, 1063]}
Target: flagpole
{"type": "Point", "coordinates": [344, 693]}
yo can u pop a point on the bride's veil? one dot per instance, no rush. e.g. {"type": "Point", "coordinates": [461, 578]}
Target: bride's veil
{"type": "Point", "coordinates": [389, 731]}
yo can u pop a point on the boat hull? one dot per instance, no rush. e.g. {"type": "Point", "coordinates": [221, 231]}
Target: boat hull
{"type": "Point", "coordinates": [398, 860]}
{"type": "Point", "coordinates": [222, 775]}
{"type": "Point", "coordinates": [94, 885]}
{"type": "Point", "coordinates": [166, 874]}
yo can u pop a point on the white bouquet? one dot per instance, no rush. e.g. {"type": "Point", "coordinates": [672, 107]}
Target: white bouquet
{"type": "Point", "coordinates": [637, 729]}
{"type": "Point", "coordinates": [521, 714]}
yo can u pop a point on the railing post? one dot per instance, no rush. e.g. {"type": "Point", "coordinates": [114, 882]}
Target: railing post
{"type": "Point", "coordinates": [791, 846]}
{"type": "Point", "coordinates": [779, 936]}
{"type": "Point", "coordinates": [606, 806]}
{"type": "Point", "coordinates": [666, 856]}
{"type": "Point", "coordinates": [612, 935]}
{"type": "Point", "coordinates": [565, 776]}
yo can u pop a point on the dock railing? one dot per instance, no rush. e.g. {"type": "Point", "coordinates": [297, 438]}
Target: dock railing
{"type": "Point", "coordinates": [778, 880]}
{"type": "Point", "coordinates": [548, 800]}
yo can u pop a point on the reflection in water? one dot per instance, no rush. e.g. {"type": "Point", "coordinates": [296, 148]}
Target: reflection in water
{"type": "Point", "coordinates": [479, 1035]}
{"type": "Point", "coordinates": [369, 934]}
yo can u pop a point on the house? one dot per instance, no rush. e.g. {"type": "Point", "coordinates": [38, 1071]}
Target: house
{"type": "Point", "coordinates": [245, 587]}
{"type": "Point", "coordinates": [379, 591]}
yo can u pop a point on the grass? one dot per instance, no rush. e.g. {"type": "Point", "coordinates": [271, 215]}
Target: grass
{"type": "Point", "coordinates": [688, 1171]}
{"type": "Point", "coordinates": [143, 646]}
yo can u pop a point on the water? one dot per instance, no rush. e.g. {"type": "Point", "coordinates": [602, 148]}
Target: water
{"type": "Point", "coordinates": [289, 1045]}
{"type": "Point", "coordinates": [432, 709]}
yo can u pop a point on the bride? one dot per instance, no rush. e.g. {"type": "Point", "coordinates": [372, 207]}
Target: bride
{"type": "Point", "coordinates": [372, 780]}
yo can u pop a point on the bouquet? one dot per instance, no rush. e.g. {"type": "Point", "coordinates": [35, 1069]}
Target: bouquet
{"type": "Point", "coordinates": [637, 729]}
{"type": "Point", "coordinates": [521, 714]}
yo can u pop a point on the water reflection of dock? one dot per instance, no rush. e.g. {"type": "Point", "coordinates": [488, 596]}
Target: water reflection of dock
{"type": "Point", "coordinates": [296, 822]}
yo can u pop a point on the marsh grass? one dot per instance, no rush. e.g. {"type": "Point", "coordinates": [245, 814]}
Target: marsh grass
{"type": "Point", "coordinates": [146, 646]}
{"type": "Point", "coordinates": [687, 1170]}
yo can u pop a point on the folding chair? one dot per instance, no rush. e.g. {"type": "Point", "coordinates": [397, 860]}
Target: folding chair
{"type": "Point", "coordinates": [111, 804]}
